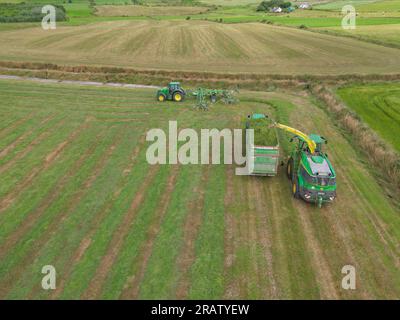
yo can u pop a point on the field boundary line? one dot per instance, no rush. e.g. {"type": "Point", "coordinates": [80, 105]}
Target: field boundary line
{"type": "Point", "coordinates": [79, 82]}
{"type": "Point", "coordinates": [379, 153]}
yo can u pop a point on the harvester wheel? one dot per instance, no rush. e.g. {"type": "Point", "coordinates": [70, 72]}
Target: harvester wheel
{"type": "Point", "coordinates": [289, 169]}
{"type": "Point", "coordinates": [178, 96]}
{"type": "Point", "coordinates": [161, 97]}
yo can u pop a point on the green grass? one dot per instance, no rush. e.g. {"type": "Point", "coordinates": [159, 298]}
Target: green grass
{"type": "Point", "coordinates": [363, 5]}
{"type": "Point", "coordinates": [378, 105]}
{"type": "Point", "coordinates": [22, 12]}
{"type": "Point", "coordinates": [71, 211]}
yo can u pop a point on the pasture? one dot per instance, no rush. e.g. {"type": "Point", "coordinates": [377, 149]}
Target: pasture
{"type": "Point", "coordinates": [77, 193]}
{"type": "Point", "coordinates": [134, 10]}
{"type": "Point", "coordinates": [378, 105]}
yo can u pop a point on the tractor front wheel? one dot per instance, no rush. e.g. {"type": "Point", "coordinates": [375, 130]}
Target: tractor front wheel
{"type": "Point", "coordinates": [161, 97]}
{"type": "Point", "coordinates": [178, 96]}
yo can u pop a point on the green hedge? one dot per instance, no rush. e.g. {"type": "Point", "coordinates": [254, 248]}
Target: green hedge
{"type": "Point", "coordinates": [23, 12]}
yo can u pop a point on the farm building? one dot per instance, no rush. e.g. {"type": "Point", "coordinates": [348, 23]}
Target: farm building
{"type": "Point", "coordinates": [304, 5]}
{"type": "Point", "coordinates": [276, 9]}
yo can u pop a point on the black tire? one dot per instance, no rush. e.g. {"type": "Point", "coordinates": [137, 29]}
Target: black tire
{"type": "Point", "coordinates": [213, 98]}
{"type": "Point", "coordinates": [289, 169]}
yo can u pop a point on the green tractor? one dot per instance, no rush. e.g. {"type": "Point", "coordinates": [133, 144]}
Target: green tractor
{"type": "Point", "coordinates": [309, 169]}
{"type": "Point", "coordinates": [173, 92]}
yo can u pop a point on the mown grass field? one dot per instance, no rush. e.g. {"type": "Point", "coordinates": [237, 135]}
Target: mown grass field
{"type": "Point", "coordinates": [378, 105]}
{"type": "Point", "coordinates": [77, 193]}
{"type": "Point", "coordinates": [192, 45]}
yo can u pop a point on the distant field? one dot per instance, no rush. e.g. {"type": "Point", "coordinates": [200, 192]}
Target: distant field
{"type": "Point", "coordinates": [388, 34]}
{"type": "Point", "coordinates": [199, 46]}
{"type": "Point", "coordinates": [76, 192]}
{"type": "Point", "coordinates": [363, 5]}
{"type": "Point", "coordinates": [131, 10]}
{"type": "Point", "coordinates": [379, 106]}
{"type": "Point", "coordinates": [230, 2]}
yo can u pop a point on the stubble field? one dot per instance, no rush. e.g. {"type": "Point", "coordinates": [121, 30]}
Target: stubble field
{"type": "Point", "coordinates": [199, 46]}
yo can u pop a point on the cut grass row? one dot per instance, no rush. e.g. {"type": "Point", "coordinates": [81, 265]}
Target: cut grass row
{"type": "Point", "coordinates": [278, 248]}
{"type": "Point", "coordinates": [244, 48]}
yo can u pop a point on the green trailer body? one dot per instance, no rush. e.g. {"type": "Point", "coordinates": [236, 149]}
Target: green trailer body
{"type": "Point", "coordinates": [265, 157]}
{"type": "Point", "coordinates": [266, 160]}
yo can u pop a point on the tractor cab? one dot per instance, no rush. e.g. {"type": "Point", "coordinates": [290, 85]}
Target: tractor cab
{"type": "Point", "coordinates": [173, 92]}
{"type": "Point", "coordinates": [172, 86]}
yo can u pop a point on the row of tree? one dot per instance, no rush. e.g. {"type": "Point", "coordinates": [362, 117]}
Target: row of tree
{"type": "Point", "coordinates": [24, 12]}
{"type": "Point", "coordinates": [267, 5]}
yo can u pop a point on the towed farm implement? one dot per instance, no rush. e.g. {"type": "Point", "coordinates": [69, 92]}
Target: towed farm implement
{"type": "Point", "coordinates": [204, 96]}
{"type": "Point", "coordinates": [174, 92]}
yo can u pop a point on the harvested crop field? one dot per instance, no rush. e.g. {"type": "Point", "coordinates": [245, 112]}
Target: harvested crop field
{"type": "Point", "coordinates": [77, 193]}
{"type": "Point", "coordinates": [132, 10]}
{"type": "Point", "coordinates": [199, 46]}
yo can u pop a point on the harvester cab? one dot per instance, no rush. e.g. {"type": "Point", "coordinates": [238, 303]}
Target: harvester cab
{"type": "Point", "coordinates": [173, 92]}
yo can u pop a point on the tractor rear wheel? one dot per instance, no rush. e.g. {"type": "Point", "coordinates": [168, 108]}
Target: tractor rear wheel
{"type": "Point", "coordinates": [289, 168]}
{"type": "Point", "coordinates": [178, 97]}
{"type": "Point", "coordinates": [161, 97]}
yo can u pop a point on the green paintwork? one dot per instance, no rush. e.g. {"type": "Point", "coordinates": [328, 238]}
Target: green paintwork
{"type": "Point", "coordinates": [313, 187]}
{"type": "Point", "coordinates": [169, 92]}
{"type": "Point", "coordinates": [266, 158]}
